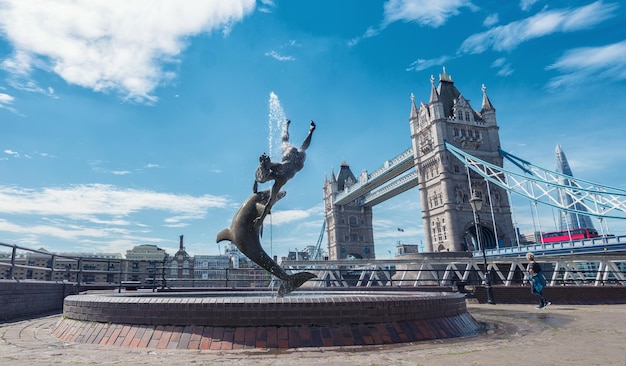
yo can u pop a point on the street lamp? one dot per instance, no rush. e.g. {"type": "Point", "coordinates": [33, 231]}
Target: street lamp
{"type": "Point", "coordinates": [477, 203]}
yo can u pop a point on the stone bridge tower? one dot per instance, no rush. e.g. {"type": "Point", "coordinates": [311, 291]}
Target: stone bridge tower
{"type": "Point", "coordinates": [349, 229]}
{"type": "Point", "coordinates": [445, 184]}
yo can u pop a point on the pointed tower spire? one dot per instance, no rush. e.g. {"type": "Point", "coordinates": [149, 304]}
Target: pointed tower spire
{"type": "Point", "coordinates": [487, 106]}
{"type": "Point", "coordinates": [434, 95]}
{"type": "Point", "coordinates": [413, 115]}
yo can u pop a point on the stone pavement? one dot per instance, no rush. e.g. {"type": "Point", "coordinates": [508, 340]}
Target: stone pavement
{"type": "Point", "coordinates": [518, 335]}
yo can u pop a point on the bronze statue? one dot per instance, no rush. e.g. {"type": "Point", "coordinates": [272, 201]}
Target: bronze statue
{"type": "Point", "coordinates": [292, 162]}
{"type": "Point", "coordinates": [246, 236]}
{"type": "Point", "coordinates": [247, 225]}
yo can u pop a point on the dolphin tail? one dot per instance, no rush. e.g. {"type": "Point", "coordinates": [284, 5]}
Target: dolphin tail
{"type": "Point", "coordinates": [293, 282]}
{"type": "Point", "coordinates": [224, 235]}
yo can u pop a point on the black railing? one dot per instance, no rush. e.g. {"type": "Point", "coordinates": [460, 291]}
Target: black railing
{"type": "Point", "coordinates": [117, 273]}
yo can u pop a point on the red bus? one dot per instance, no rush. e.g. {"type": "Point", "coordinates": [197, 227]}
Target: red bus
{"type": "Point", "coordinates": [572, 234]}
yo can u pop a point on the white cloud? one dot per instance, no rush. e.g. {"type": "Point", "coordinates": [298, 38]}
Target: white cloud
{"type": "Point", "coordinates": [507, 37]}
{"type": "Point", "coordinates": [491, 20]}
{"type": "Point", "coordinates": [12, 153]}
{"type": "Point", "coordinates": [5, 102]}
{"type": "Point", "coordinates": [504, 67]}
{"type": "Point", "coordinates": [288, 216]}
{"type": "Point", "coordinates": [6, 99]}
{"type": "Point", "coordinates": [120, 172]}
{"type": "Point", "coordinates": [424, 12]}
{"type": "Point", "coordinates": [97, 215]}
{"type": "Point", "coordinates": [266, 6]}
{"type": "Point", "coordinates": [100, 199]}
{"type": "Point", "coordinates": [109, 46]}
{"type": "Point", "coordinates": [278, 56]}
{"type": "Point", "coordinates": [525, 5]}
{"type": "Point", "coordinates": [422, 64]}
{"type": "Point", "coordinates": [597, 63]}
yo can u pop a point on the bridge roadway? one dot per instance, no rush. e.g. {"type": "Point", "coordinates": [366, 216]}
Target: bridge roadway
{"type": "Point", "coordinates": [390, 170]}
{"type": "Point", "coordinates": [606, 244]}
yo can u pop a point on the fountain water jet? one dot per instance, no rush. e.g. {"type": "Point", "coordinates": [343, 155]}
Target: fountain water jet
{"type": "Point", "coordinates": [275, 124]}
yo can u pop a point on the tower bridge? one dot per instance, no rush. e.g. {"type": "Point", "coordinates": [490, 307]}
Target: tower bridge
{"type": "Point", "coordinates": [455, 155]}
{"type": "Point", "coordinates": [366, 188]}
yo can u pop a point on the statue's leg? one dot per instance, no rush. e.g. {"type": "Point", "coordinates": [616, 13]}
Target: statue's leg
{"type": "Point", "coordinates": [285, 134]}
{"type": "Point", "coordinates": [278, 184]}
{"type": "Point", "coordinates": [307, 140]}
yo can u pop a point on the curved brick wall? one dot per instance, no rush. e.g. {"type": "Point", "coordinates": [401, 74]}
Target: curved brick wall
{"type": "Point", "coordinates": [241, 309]}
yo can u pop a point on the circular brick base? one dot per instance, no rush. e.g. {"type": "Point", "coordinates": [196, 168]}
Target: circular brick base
{"type": "Point", "coordinates": [261, 321]}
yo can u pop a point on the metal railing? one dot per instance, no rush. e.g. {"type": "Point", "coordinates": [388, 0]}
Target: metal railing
{"type": "Point", "coordinates": [608, 269]}
{"type": "Point", "coordinates": [113, 273]}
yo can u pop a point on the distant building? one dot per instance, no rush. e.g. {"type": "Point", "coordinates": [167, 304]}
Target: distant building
{"type": "Point", "coordinates": [146, 252]}
{"type": "Point", "coordinates": [144, 262]}
{"type": "Point", "coordinates": [211, 270]}
{"type": "Point", "coordinates": [180, 266]}
{"type": "Point", "coordinates": [298, 256]}
{"type": "Point", "coordinates": [569, 220]}
{"type": "Point", "coordinates": [403, 249]}
{"type": "Point", "coordinates": [94, 267]}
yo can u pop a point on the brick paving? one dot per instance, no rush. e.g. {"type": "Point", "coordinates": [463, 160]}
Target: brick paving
{"type": "Point", "coordinates": [516, 334]}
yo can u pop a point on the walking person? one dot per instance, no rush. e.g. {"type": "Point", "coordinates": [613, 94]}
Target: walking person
{"type": "Point", "coordinates": [537, 280]}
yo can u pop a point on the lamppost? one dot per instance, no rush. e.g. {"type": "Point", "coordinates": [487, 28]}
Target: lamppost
{"type": "Point", "coordinates": [477, 203]}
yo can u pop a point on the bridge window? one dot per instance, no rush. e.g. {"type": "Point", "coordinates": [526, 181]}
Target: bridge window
{"type": "Point", "coordinates": [456, 168]}
{"type": "Point", "coordinates": [460, 115]}
{"type": "Point", "coordinates": [477, 134]}
{"type": "Point", "coordinates": [462, 133]}
{"type": "Point", "coordinates": [367, 250]}
{"type": "Point", "coordinates": [456, 132]}
{"type": "Point", "coordinates": [352, 220]}
{"type": "Point", "coordinates": [467, 116]}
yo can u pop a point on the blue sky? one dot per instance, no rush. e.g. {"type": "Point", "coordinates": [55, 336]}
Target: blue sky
{"type": "Point", "coordinates": [126, 123]}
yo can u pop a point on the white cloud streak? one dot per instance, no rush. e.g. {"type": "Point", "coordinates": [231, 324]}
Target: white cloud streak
{"type": "Point", "coordinates": [426, 13]}
{"type": "Point", "coordinates": [421, 64]}
{"type": "Point", "coordinates": [96, 215]}
{"type": "Point", "coordinates": [525, 5]}
{"type": "Point", "coordinates": [509, 36]}
{"type": "Point", "coordinates": [100, 199]}
{"type": "Point", "coordinates": [279, 57]}
{"type": "Point", "coordinates": [582, 64]}
{"type": "Point", "coordinates": [108, 46]}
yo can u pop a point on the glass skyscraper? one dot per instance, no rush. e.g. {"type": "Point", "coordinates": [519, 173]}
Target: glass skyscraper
{"type": "Point", "coordinates": [569, 220]}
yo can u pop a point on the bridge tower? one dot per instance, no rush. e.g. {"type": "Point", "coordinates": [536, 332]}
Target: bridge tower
{"type": "Point", "coordinates": [349, 229]}
{"type": "Point", "coordinates": [445, 185]}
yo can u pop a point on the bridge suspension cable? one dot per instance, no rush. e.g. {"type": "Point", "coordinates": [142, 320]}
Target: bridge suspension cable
{"type": "Point", "coordinates": [544, 186]}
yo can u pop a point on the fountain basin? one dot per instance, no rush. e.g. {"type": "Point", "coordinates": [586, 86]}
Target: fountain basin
{"type": "Point", "coordinates": [243, 319]}
{"type": "Point", "coordinates": [237, 309]}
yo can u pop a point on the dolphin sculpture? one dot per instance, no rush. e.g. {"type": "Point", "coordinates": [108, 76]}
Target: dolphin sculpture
{"type": "Point", "coordinates": [246, 236]}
